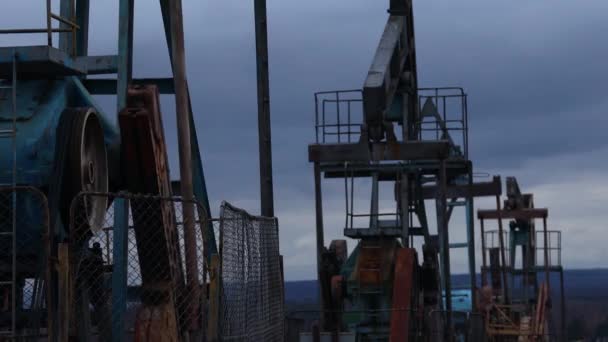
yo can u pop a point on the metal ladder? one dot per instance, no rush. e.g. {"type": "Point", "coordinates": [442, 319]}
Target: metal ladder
{"type": "Point", "coordinates": [11, 133]}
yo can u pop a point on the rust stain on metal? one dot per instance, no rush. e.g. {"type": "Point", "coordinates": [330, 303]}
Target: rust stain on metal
{"type": "Point", "coordinates": [403, 292]}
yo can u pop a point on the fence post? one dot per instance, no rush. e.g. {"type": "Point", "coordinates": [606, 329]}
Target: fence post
{"type": "Point", "coordinates": [119, 270]}
{"type": "Point", "coordinates": [65, 299]}
{"type": "Point", "coordinates": [214, 299]}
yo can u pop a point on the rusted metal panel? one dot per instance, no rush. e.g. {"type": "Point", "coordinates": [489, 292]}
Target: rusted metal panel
{"type": "Point", "coordinates": [521, 214]}
{"type": "Point", "coordinates": [155, 324]}
{"type": "Point", "coordinates": [404, 288]}
{"type": "Point", "coordinates": [373, 266]}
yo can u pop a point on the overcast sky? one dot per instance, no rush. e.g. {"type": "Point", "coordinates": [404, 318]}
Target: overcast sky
{"type": "Point", "coordinates": [535, 72]}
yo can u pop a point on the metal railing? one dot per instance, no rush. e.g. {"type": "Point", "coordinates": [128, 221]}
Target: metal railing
{"type": "Point", "coordinates": [451, 119]}
{"type": "Point", "coordinates": [553, 245]}
{"type": "Point", "coordinates": [338, 116]}
{"type": "Point", "coordinates": [66, 25]}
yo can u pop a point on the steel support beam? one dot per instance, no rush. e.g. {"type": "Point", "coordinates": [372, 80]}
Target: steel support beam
{"type": "Point", "coordinates": [362, 152]}
{"type": "Point", "coordinates": [481, 189]}
{"type": "Point", "coordinates": [320, 233]}
{"type": "Point", "coordinates": [444, 244]}
{"type": "Point", "coordinates": [520, 214]}
{"type": "Point", "coordinates": [119, 270]}
{"type": "Point", "coordinates": [562, 306]}
{"type": "Point", "coordinates": [470, 216]}
{"type": "Point", "coordinates": [484, 263]}
{"type": "Point", "coordinates": [125, 52]}
{"type": "Point", "coordinates": [501, 241]}
{"type": "Point", "coordinates": [185, 159]}
{"type": "Point", "coordinates": [200, 186]}
{"type": "Point", "coordinates": [264, 129]}
{"type": "Point", "coordinates": [108, 86]}
{"type": "Point", "coordinates": [82, 35]}
{"type": "Point", "coordinates": [405, 206]}
{"type": "Point", "coordinates": [65, 38]}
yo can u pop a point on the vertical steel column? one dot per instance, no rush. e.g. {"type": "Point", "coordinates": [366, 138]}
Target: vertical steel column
{"type": "Point", "coordinates": [119, 270]}
{"type": "Point", "coordinates": [121, 214]}
{"type": "Point", "coordinates": [444, 242]}
{"type": "Point", "coordinates": [471, 237]}
{"type": "Point", "coordinates": [484, 280]}
{"type": "Point", "coordinates": [562, 305]}
{"type": "Point", "coordinates": [82, 19]}
{"type": "Point", "coordinates": [65, 39]}
{"type": "Point", "coordinates": [320, 242]}
{"type": "Point", "coordinates": [125, 52]}
{"type": "Point", "coordinates": [200, 187]}
{"type": "Point", "coordinates": [14, 197]}
{"type": "Point", "coordinates": [374, 210]}
{"type": "Point", "coordinates": [546, 252]}
{"type": "Point", "coordinates": [49, 28]}
{"type": "Point", "coordinates": [265, 144]}
{"type": "Point", "coordinates": [185, 158]}
{"type": "Point", "coordinates": [501, 242]}
{"type": "Point", "coordinates": [405, 208]}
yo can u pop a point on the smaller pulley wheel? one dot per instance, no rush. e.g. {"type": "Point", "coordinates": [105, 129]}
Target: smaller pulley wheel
{"type": "Point", "coordinates": [87, 167]}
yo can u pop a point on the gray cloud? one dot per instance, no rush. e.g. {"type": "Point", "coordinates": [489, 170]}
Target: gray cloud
{"type": "Point", "coordinates": [535, 74]}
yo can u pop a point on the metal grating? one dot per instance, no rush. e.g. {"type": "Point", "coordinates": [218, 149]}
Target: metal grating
{"type": "Point", "coordinates": [251, 279]}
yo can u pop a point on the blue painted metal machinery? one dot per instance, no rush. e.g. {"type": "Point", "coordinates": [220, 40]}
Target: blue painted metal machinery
{"type": "Point", "coordinates": [58, 139]}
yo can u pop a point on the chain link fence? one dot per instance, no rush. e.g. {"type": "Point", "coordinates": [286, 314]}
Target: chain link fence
{"type": "Point", "coordinates": [24, 228]}
{"type": "Point", "coordinates": [251, 277]}
{"type": "Point", "coordinates": [146, 282]}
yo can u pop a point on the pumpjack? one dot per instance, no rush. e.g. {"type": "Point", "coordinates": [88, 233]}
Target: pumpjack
{"type": "Point", "coordinates": [395, 283]}
{"type": "Point", "coordinates": [516, 301]}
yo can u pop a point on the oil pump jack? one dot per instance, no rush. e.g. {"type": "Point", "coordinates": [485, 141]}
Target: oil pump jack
{"type": "Point", "coordinates": [414, 140]}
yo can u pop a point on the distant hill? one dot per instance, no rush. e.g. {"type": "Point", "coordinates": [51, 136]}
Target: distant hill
{"type": "Point", "coordinates": [578, 284]}
{"type": "Point", "coordinates": [586, 293]}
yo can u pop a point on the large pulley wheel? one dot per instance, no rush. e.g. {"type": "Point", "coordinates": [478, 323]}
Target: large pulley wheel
{"type": "Point", "coordinates": [87, 167]}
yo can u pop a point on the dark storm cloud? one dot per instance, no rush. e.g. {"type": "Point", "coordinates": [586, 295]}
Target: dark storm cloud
{"type": "Point", "coordinates": [535, 73]}
{"type": "Point", "coordinates": [535, 80]}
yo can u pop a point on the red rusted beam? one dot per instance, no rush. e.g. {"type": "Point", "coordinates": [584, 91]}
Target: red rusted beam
{"type": "Point", "coordinates": [403, 288]}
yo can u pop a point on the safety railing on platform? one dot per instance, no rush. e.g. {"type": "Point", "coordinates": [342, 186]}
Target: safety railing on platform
{"type": "Point", "coordinates": [444, 116]}
{"type": "Point", "coordinates": [251, 307]}
{"type": "Point", "coordinates": [359, 215]}
{"type": "Point", "coordinates": [67, 25]}
{"type": "Point", "coordinates": [338, 116]}
{"type": "Point", "coordinates": [24, 242]}
{"type": "Point", "coordinates": [553, 247]}
{"type": "Point", "coordinates": [132, 278]}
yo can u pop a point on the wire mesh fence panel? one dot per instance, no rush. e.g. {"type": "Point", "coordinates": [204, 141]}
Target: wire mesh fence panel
{"type": "Point", "coordinates": [24, 227]}
{"type": "Point", "coordinates": [141, 274]}
{"type": "Point", "coordinates": [251, 306]}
